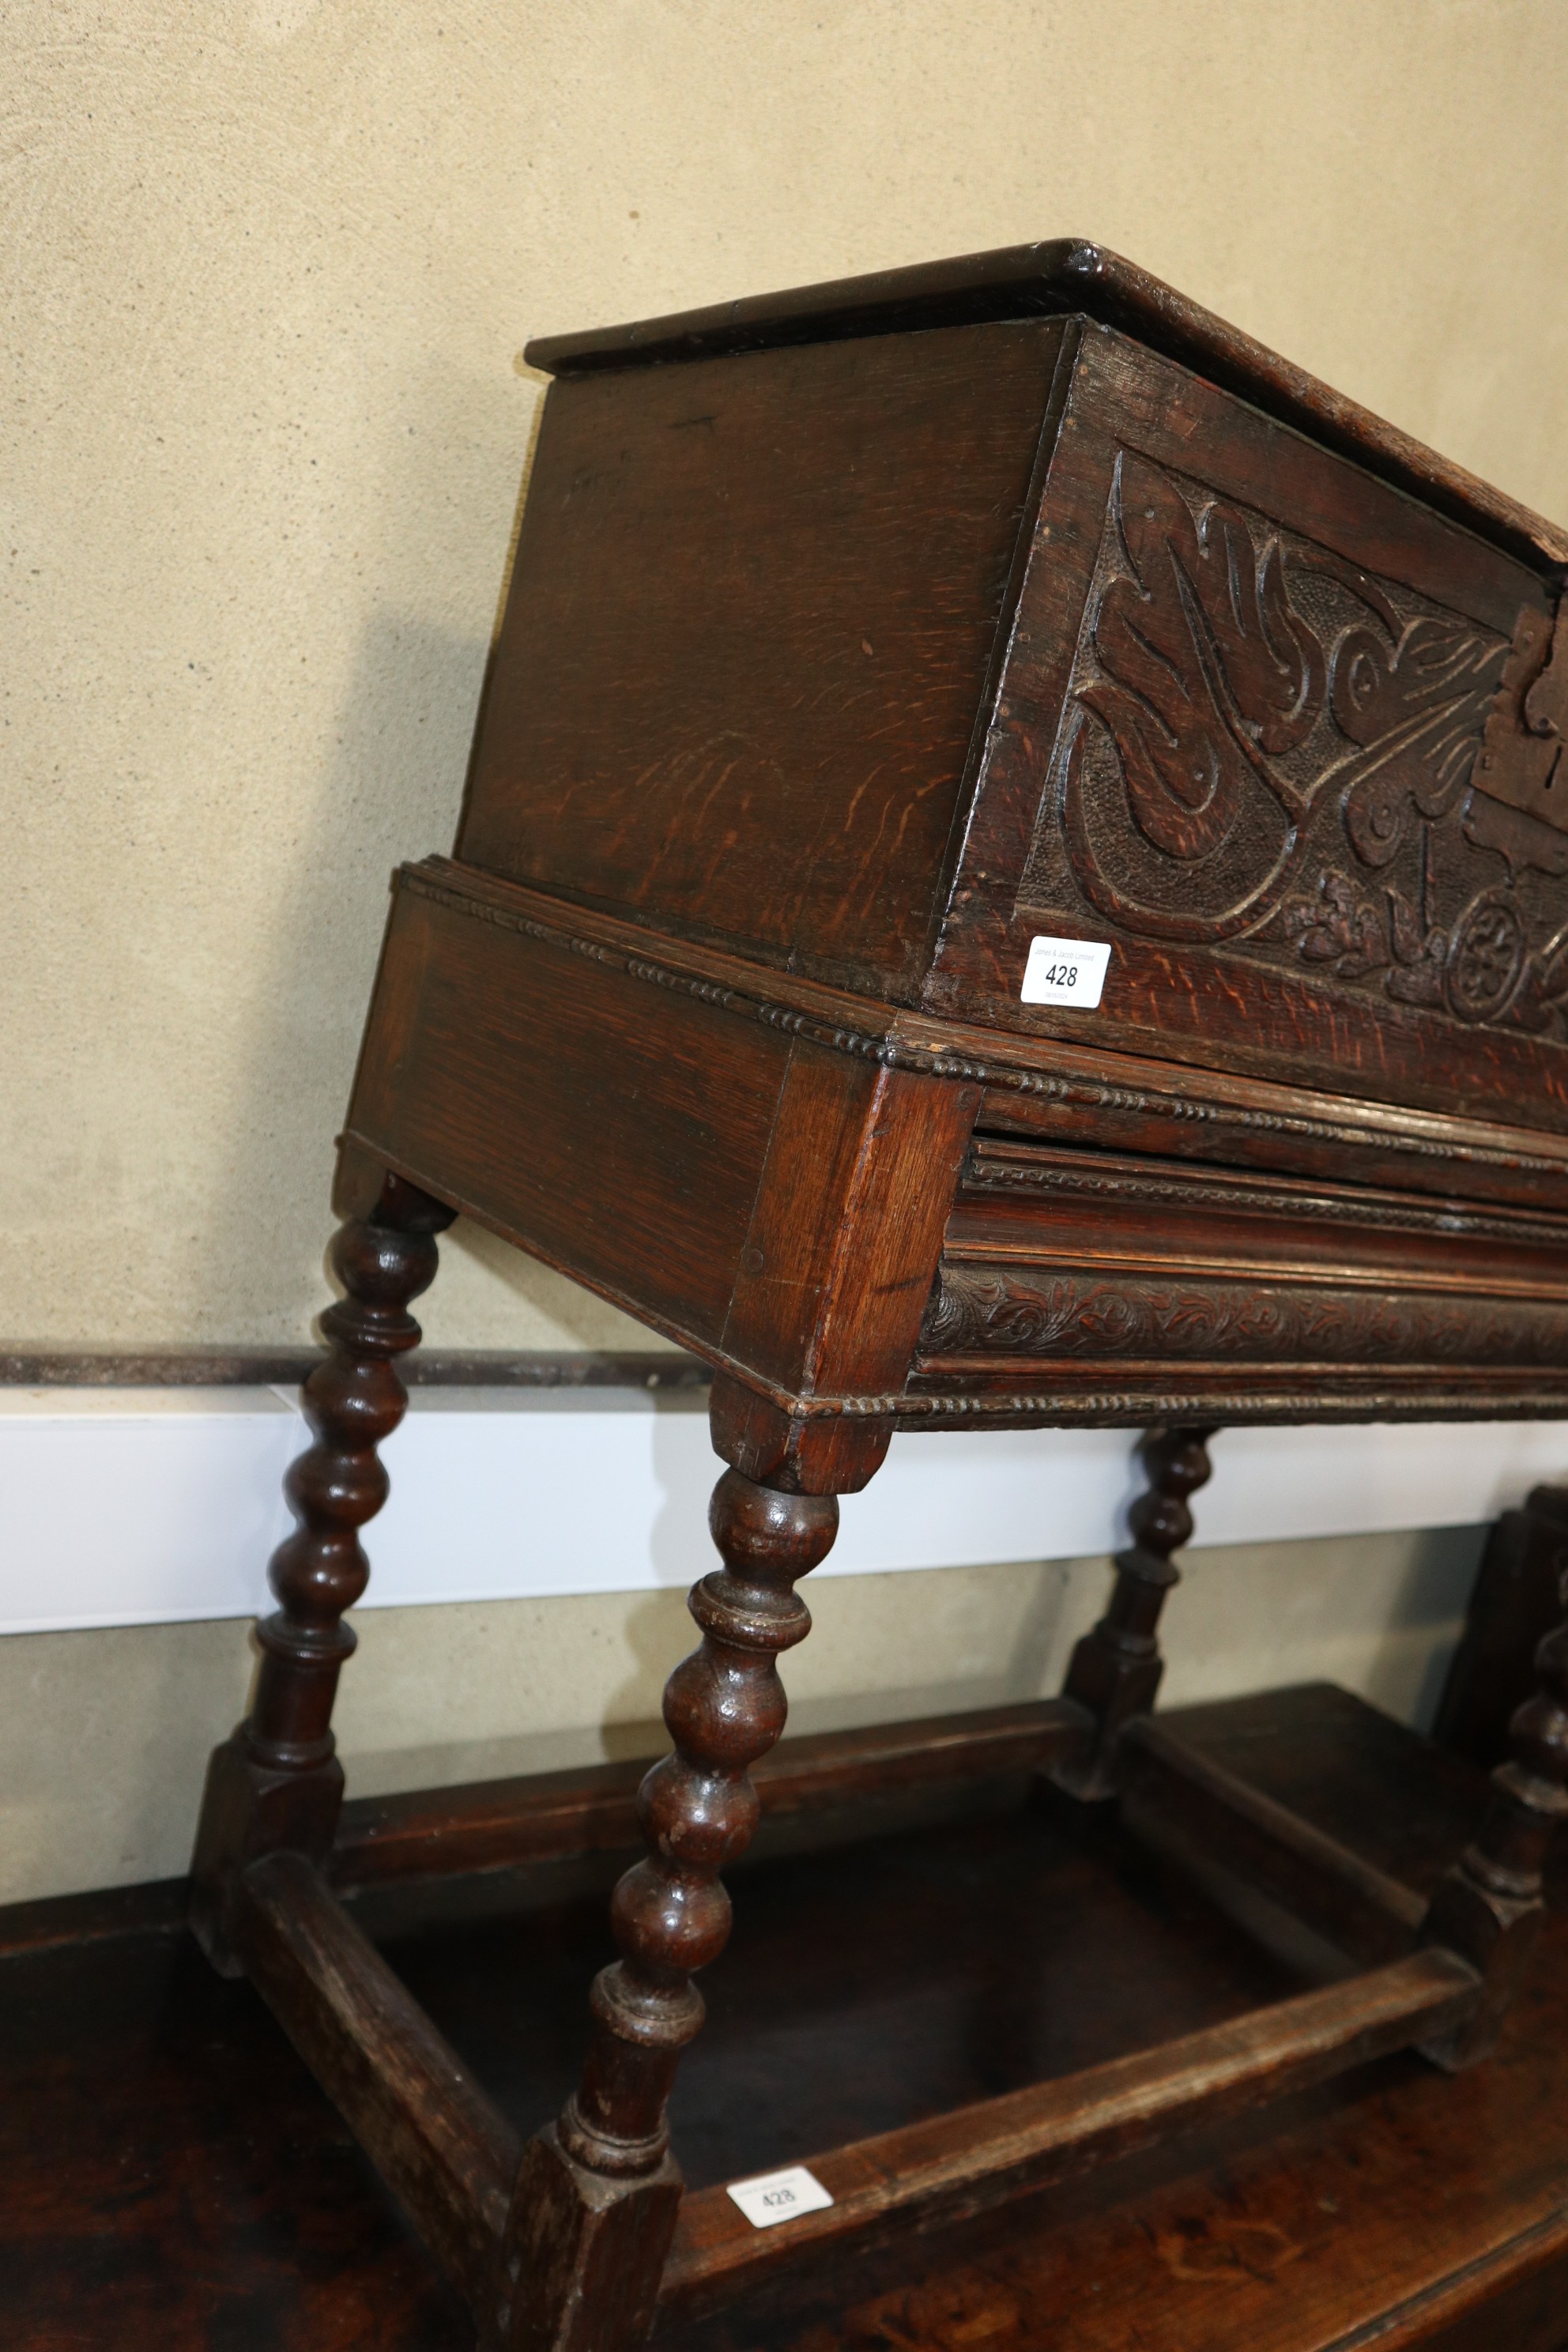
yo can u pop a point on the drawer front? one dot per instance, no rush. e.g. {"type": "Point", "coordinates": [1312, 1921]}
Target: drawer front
{"type": "Point", "coordinates": [1113, 1287]}
{"type": "Point", "coordinates": [1264, 732]}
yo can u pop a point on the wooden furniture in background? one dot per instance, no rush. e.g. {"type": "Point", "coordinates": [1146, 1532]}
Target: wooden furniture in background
{"type": "Point", "coordinates": [1516, 1603]}
{"type": "Point", "coordinates": [858, 639]}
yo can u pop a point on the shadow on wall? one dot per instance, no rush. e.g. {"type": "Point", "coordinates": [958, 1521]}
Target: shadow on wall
{"type": "Point", "coordinates": [391, 791]}
{"type": "Point", "coordinates": [389, 787]}
{"type": "Point", "coordinates": [1382, 1614]}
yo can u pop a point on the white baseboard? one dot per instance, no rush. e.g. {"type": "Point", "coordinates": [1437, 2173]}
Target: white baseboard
{"type": "Point", "coordinates": [138, 1506]}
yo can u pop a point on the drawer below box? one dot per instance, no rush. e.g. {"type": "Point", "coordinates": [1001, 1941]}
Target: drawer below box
{"type": "Point", "coordinates": [1106, 1282]}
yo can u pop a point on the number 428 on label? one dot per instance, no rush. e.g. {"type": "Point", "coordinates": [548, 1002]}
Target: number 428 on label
{"type": "Point", "coordinates": [1065, 971]}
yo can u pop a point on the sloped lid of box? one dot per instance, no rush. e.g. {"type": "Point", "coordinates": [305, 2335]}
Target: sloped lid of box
{"type": "Point", "coordinates": [1071, 275]}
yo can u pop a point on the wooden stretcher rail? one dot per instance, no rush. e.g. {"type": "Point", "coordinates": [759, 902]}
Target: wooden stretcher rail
{"type": "Point", "coordinates": [958, 2164]}
{"type": "Point", "coordinates": [1182, 1802]}
{"type": "Point", "coordinates": [546, 1816]}
{"type": "Point", "coordinates": [431, 2132]}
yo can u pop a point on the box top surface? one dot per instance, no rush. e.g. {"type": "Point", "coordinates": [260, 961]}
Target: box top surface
{"type": "Point", "coordinates": [1067, 275]}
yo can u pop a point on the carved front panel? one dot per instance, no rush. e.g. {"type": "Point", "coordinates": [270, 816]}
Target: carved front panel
{"type": "Point", "coordinates": [1263, 746]}
{"type": "Point", "coordinates": [1289, 744]}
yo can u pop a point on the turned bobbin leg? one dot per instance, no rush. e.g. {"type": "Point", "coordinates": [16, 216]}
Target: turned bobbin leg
{"type": "Point", "coordinates": [1489, 1908]}
{"type": "Point", "coordinates": [277, 1783]}
{"type": "Point", "coordinates": [1115, 1670]}
{"type": "Point", "coordinates": [596, 2193]}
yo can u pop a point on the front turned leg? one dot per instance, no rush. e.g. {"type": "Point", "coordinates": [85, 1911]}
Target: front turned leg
{"type": "Point", "coordinates": [1115, 1670]}
{"type": "Point", "coordinates": [1488, 1907]}
{"type": "Point", "coordinates": [278, 1783]}
{"type": "Point", "coordinates": [597, 2191]}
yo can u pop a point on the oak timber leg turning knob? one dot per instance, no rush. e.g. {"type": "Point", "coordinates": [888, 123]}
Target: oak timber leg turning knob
{"type": "Point", "coordinates": [597, 2191]}
{"type": "Point", "coordinates": [1116, 1669]}
{"type": "Point", "coordinates": [1490, 1906]}
{"type": "Point", "coordinates": [276, 1783]}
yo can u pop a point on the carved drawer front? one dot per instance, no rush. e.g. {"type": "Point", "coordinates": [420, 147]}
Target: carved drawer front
{"type": "Point", "coordinates": [1116, 1285]}
{"type": "Point", "coordinates": [1291, 743]}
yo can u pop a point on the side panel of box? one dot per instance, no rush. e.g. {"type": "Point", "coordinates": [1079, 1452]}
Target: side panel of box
{"type": "Point", "coordinates": [1240, 739]}
{"type": "Point", "coordinates": [752, 638]}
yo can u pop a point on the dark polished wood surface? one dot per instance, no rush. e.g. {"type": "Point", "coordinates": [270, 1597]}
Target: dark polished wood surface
{"type": "Point", "coordinates": [866, 1985]}
{"type": "Point", "coordinates": [1065, 274]}
{"type": "Point", "coordinates": [1513, 1607]}
{"type": "Point", "coordinates": [856, 645]}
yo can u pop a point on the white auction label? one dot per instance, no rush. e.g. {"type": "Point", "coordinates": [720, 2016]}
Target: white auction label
{"type": "Point", "coordinates": [775, 2197]}
{"type": "Point", "coordinates": [1065, 971]}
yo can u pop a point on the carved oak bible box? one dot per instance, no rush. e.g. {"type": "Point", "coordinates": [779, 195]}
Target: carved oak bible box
{"type": "Point", "coordinates": [1015, 871]}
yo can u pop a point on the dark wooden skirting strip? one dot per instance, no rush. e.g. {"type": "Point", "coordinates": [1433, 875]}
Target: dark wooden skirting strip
{"type": "Point", "coordinates": [1179, 1799]}
{"type": "Point", "coordinates": [431, 2132]}
{"type": "Point", "coordinates": [154, 1906]}
{"type": "Point", "coordinates": [958, 2164]}
{"type": "Point", "coordinates": [179, 1368]}
{"type": "Point", "coordinates": [546, 1816]}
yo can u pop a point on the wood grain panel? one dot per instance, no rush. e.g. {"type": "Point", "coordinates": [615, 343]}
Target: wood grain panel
{"type": "Point", "coordinates": [750, 629]}
{"type": "Point", "coordinates": [848, 1222]}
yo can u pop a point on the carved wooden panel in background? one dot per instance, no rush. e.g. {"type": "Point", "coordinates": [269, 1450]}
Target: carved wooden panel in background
{"type": "Point", "coordinates": [1265, 747]}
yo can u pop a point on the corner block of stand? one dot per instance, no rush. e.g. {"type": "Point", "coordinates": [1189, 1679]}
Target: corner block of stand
{"type": "Point", "coordinates": [1496, 1935]}
{"type": "Point", "coordinates": [583, 2254]}
{"type": "Point", "coordinates": [249, 1810]}
{"type": "Point", "coordinates": [1110, 1695]}
{"type": "Point", "coordinates": [827, 1455]}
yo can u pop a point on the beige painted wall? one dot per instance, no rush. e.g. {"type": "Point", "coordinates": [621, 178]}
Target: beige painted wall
{"type": "Point", "coordinates": [266, 270]}
{"type": "Point", "coordinates": [104, 1736]}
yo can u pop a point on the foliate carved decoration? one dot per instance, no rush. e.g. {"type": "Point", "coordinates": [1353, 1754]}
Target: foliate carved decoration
{"type": "Point", "coordinates": [1262, 745]}
{"type": "Point", "coordinates": [1479, 968]}
{"type": "Point", "coordinates": [1527, 729]}
{"type": "Point", "coordinates": [977, 1311]}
